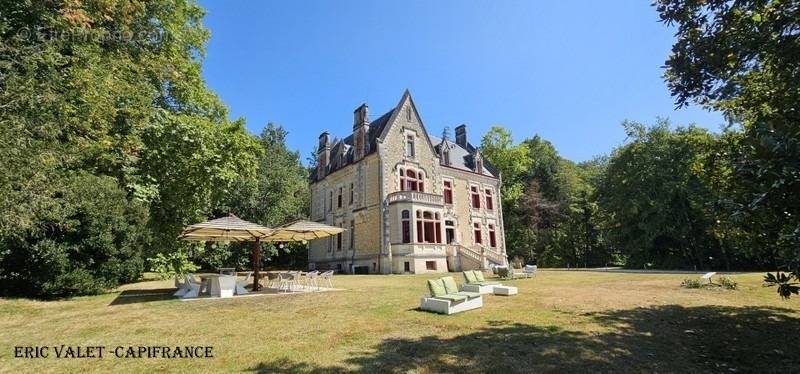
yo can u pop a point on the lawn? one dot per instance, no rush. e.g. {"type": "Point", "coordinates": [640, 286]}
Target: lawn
{"type": "Point", "coordinates": [560, 321]}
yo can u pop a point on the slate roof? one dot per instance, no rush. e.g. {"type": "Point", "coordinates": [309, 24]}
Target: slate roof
{"type": "Point", "coordinates": [342, 151]}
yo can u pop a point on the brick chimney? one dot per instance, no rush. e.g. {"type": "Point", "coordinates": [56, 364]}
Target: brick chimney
{"type": "Point", "coordinates": [323, 154]}
{"type": "Point", "coordinates": [461, 136]}
{"type": "Point", "coordinates": [360, 130]}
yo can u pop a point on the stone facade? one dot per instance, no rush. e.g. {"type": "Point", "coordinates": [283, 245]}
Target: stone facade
{"type": "Point", "coordinates": [411, 203]}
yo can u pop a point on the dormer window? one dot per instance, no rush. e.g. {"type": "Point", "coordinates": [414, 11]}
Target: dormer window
{"type": "Point", "coordinates": [446, 155]}
{"type": "Point", "coordinates": [479, 165]}
{"type": "Point", "coordinates": [410, 151]}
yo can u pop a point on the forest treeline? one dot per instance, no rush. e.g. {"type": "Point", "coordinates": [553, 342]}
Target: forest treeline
{"type": "Point", "coordinates": [111, 143]}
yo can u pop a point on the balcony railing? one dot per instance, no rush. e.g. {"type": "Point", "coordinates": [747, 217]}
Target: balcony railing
{"type": "Point", "coordinates": [415, 197]}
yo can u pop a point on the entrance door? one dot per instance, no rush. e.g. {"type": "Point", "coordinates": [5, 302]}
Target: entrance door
{"type": "Point", "coordinates": [449, 232]}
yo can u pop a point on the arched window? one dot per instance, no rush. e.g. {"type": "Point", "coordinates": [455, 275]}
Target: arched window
{"type": "Point", "coordinates": [405, 219]}
{"type": "Point", "coordinates": [411, 180]}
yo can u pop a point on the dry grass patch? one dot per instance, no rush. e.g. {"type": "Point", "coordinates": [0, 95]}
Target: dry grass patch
{"type": "Point", "coordinates": [560, 321]}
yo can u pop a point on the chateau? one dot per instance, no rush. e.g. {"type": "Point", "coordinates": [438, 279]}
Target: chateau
{"type": "Point", "coordinates": [411, 202]}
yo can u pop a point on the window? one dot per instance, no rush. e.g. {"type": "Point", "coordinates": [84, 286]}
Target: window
{"type": "Point", "coordinates": [405, 219]}
{"type": "Point", "coordinates": [330, 201]}
{"type": "Point", "coordinates": [407, 267]}
{"type": "Point", "coordinates": [339, 267]}
{"type": "Point", "coordinates": [352, 234]}
{"type": "Point", "coordinates": [479, 166]}
{"type": "Point", "coordinates": [410, 151]}
{"type": "Point", "coordinates": [477, 231]}
{"type": "Point", "coordinates": [339, 242]}
{"type": "Point", "coordinates": [492, 238]}
{"type": "Point", "coordinates": [411, 180]}
{"type": "Point", "coordinates": [339, 197]}
{"type": "Point", "coordinates": [476, 197]}
{"type": "Point", "coordinates": [489, 200]}
{"type": "Point", "coordinates": [446, 156]}
{"type": "Point", "coordinates": [449, 232]}
{"type": "Point", "coordinates": [352, 194]}
{"type": "Point", "coordinates": [430, 265]}
{"type": "Point", "coordinates": [448, 192]}
{"type": "Point", "coordinates": [429, 227]}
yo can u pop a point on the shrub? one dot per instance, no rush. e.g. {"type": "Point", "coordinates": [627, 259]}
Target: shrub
{"type": "Point", "coordinates": [87, 241]}
{"type": "Point", "coordinates": [727, 283]}
{"type": "Point", "coordinates": [175, 264]}
{"type": "Point", "coordinates": [692, 283]}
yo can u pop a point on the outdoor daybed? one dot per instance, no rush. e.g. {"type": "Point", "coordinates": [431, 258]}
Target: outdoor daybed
{"type": "Point", "coordinates": [476, 283]}
{"type": "Point", "coordinates": [446, 299]}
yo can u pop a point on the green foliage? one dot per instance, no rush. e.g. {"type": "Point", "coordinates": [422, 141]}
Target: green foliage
{"type": "Point", "coordinates": [743, 58]}
{"type": "Point", "coordinates": [108, 93]}
{"type": "Point", "coordinates": [549, 211]}
{"type": "Point", "coordinates": [171, 265]}
{"type": "Point", "coordinates": [657, 203]}
{"type": "Point", "coordinates": [786, 283]}
{"type": "Point", "coordinates": [89, 239]}
{"type": "Point", "coordinates": [693, 283]}
{"type": "Point", "coordinates": [728, 283]}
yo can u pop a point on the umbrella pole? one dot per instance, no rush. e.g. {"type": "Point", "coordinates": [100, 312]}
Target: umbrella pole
{"type": "Point", "coordinates": [256, 264]}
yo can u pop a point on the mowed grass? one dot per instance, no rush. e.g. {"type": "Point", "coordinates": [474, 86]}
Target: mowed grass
{"type": "Point", "coordinates": [559, 322]}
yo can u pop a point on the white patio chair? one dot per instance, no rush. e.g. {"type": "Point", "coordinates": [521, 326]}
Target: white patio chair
{"type": "Point", "coordinates": [285, 281]}
{"type": "Point", "coordinates": [194, 287]}
{"type": "Point", "coordinates": [294, 281]}
{"type": "Point", "coordinates": [240, 290]}
{"type": "Point", "coordinates": [312, 278]}
{"type": "Point", "coordinates": [326, 278]}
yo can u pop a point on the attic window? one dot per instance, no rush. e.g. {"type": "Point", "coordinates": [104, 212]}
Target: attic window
{"type": "Point", "coordinates": [410, 151]}
{"type": "Point", "coordinates": [446, 155]}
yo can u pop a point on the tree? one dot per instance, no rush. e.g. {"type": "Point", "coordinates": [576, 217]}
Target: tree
{"type": "Point", "coordinates": [743, 58]}
{"type": "Point", "coordinates": [97, 91]}
{"type": "Point", "coordinates": [278, 194]}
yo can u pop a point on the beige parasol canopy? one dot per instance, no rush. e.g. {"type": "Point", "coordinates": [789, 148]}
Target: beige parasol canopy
{"type": "Point", "coordinates": [225, 229]}
{"type": "Point", "coordinates": [301, 230]}
{"type": "Point", "coordinates": [233, 229]}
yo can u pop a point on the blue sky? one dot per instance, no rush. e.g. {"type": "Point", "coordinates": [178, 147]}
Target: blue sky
{"type": "Point", "coordinates": [570, 71]}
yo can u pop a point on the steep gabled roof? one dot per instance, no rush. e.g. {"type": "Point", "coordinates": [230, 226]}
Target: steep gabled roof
{"type": "Point", "coordinates": [343, 152]}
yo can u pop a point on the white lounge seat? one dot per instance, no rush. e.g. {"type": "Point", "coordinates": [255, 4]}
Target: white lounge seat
{"type": "Point", "coordinates": [449, 307]}
{"type": "Point", "coordinates": [446, 299]}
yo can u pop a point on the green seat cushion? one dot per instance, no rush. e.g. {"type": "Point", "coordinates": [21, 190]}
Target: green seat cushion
{"type": "Point", "coordinates": [469, 295]}
{"type": "Point", "coordinates": [436, 286]}
{"type": "Point", "coordinates": [450, 285]}
{"type": "Point", "coordinates": [470, 277]}
{"type": "Point", "coordinates": [451, 297]}
{"type": "Point", "coordinates": [479, 276]}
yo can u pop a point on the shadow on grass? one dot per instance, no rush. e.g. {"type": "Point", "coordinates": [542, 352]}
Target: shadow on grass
{"type": "Point", "coordinates": [668, 338]}
{"type": "Point", "coordinates": [143, 296]}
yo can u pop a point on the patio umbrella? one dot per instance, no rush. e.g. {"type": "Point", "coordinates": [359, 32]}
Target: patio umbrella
{"type": "Point", "coordinates": [231, 229]}
{"type": "Point", "coordinates": [301, 230]}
